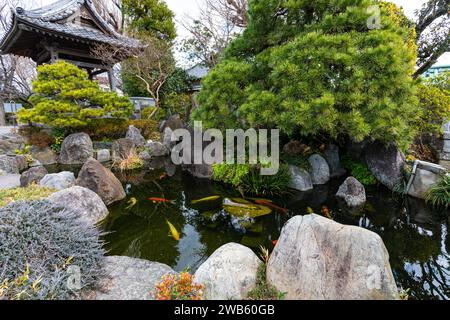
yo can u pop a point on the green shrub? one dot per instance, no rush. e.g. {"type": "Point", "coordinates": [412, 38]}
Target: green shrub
{"type": "Point", "coordinates": [247, 178]}
{"type": "Point", "coordinates": [159, 115]}
{"type": "Point", "coordinates": [439, 194]}
{"type": "Point", "coordinates": [65, 97]}
{"type": "Point", "coordinates": [314, 67]}
{"type": "Point", "coordinates": [117, 128]}
{"type": "Point", "coordinates": [434, 102]}
{"type": "Point", "coordinates": [230, 173]}
{"type": "Point", "coordinates": [58, 136]}
{"type": "Point", "coordinates": [255, 183]}
{"type": "Point", "coordinates": [359, 171]}
{"type": "Point", "coordinates": [177, 103]}
{"type": "Point", "coordinates": [39, 242]}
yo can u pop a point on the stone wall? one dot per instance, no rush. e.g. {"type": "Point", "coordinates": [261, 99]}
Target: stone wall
{"type": "Point", "coordinates": [444, 159]}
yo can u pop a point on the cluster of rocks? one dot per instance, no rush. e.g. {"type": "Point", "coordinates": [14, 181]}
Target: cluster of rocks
{"type": "Point", "coordinates": [315, 259]}
{"type": "Point", "coordinates": [386, 163]}
{"type": "Point", "coordinates": [320, 170]}
{"type": "Point", "coordinates": [93, 176]}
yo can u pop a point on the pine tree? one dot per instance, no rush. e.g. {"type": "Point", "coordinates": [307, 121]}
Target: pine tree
{"type": "Point", "coordinates": [317, 67]}
{"type": "Point", "coordinates": [65, 97]}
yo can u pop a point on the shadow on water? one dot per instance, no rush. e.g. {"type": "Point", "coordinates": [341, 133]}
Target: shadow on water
{"type": "Point", "coordinates": [415, 235]}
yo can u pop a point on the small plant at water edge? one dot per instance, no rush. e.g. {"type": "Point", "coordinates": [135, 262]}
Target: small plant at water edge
{"type": "Point", "coordinates": [262, 290]}
{"type": "Point", "coordinates": [439, 194]}
{"type": "Point", "coordinates": [247, 178]}
{"type": "Point", "coordinates": [132, 162]}
{"type": "Point", "coordinates": [58, 136]}
{"type": "Point", "coordinates": [179, 287]}
{"type": "Point", "coordinates": [359, 171]}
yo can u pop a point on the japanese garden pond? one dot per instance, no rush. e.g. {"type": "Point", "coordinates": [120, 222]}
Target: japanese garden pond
{"type": "Point", "coordinates": [416, 235]}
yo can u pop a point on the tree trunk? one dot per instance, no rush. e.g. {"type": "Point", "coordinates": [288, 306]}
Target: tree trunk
{"type": "Point", "coordinates": [2, 113]}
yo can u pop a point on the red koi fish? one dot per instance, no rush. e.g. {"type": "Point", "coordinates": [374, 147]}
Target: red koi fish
{"type": "Point", "coordinates": [274, 242]}
{"type": "Point", "coordinates": [271, 205]}
{"type": "Point", "coordinates": [159, 200]}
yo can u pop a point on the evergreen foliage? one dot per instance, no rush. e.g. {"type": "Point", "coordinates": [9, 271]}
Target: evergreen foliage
{"type": "Point", "coordinates": [317, 68]}
{"type": "Point", "coordinates": [65, 97]}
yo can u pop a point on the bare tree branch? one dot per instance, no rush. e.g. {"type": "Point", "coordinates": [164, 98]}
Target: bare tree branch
{"type": "Point", "coordinates": [218, 22]}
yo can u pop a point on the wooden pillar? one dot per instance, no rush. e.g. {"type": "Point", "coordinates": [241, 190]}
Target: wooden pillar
{"type": "Point", "coordinates": [53, 55]}
{"type": "Point", "coordinates": [112, 83]}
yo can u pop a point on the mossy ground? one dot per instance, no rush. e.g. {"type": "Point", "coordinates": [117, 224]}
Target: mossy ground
{"type": "Point", "coordinates": [32, 192]}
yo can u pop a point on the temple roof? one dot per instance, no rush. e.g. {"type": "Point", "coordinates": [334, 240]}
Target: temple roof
{"type": "Point", "coordinates": [62, 20]}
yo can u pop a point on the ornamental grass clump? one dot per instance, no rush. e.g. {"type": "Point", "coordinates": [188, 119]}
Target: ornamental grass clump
{"type": "Point", "coordinates": [179, 287]}
{"type": "Point", "coordinates": [42, 248]}
{"type": "Point", "coordinates": [248, 179]}
{"type": "Point", "coordinates": [439, 194]}
{"type": "Point", "coordinates": [132, 162]}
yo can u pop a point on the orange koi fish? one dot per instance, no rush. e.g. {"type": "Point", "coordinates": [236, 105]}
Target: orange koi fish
{"type": "Point", "coordinates": [155, 200]}
{"type": "Point", "coordinates": [271, 205]}
{"type": "Point", "coordinates": [274, 242]}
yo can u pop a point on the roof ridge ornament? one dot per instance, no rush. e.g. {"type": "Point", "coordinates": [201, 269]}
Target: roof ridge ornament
{"type": "Point", "coordinates": [20, 10]}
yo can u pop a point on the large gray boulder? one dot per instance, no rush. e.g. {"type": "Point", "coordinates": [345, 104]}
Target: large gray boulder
{"type": "Point", "coordinates": [129, 279]}
{"type": "Point", "coordinates": [58, 181]}
{"type": "Point", "coordinates": [166, 138]}
{"type": "Point", "coordinates": [76, 149]}
{"type": "Point", "coordinates": [426, 175]}
{"type": "Point", "coordinates": [10, 142]}
{"type": "Point", "coordinates": [319, 259]}
{"type": "Point", "coordinates": [352, 192]}
{"type": "Point", "coordinates": [300, 179]}
{"type": "Point", "coordinates": [13, 164]}
{"type": "Point", "coordinates": [229, 273]}
{"type": "Point", "coordinates": [45, 156]}
{"type": "Point", "coordinates": [331, 154]}
{"type": "Point", "coordinates": [9, 181]}
{"type": "Point", "coordinates": [385, 163]}
{"type": "Point", "coordinates": [32, 175]}
{"type": "Point", "coordinates": [122, 148]}
{"type": "Point", "coordinates": [83, 200]}
{"type": "Point", "coordinates": [320, 171]}
{"type": "Point", "coordinates": [134, 134]}
{"type": "Point", "coordinates": [157, 149]}
{"type": "Point", "coordinates": [94, 176]}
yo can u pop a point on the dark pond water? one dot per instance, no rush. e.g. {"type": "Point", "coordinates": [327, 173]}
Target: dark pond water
{"type": "Point", "coordinates": [415, 235]}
